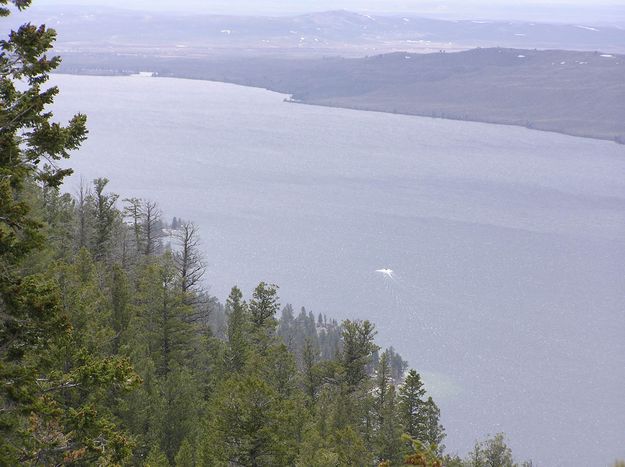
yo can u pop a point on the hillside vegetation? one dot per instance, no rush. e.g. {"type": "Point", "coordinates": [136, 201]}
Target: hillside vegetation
{"type": "Point", "coordinates": [113, 353]}
{"type": "Point", "coordinates": [576, 93]}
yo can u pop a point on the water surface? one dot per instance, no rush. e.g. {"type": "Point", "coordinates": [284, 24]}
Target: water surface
{"type": "Point", "coordinates": [508, 244]}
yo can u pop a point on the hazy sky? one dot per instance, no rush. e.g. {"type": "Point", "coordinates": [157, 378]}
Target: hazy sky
{"type": "Point", "coordinates": [535, 10]}
{"type": "Point", "coordinates": [399, 5]}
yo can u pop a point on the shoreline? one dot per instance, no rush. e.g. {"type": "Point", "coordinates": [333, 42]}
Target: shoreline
{"type": "Point", "coordinates": [288, 98]}
{"type": "Point", "coordinates": [468, 120]}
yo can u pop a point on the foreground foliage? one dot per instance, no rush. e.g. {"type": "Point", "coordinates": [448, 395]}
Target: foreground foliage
{"type": "Point", "coordinates": [52, 387]}
{"type": "Point", "coordinates": [112, 352]}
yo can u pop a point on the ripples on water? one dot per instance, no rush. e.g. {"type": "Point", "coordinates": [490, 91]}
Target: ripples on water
{"type": "Point", "coordinates": [510, 243]}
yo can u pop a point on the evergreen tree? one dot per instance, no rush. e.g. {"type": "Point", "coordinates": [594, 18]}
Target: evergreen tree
{"type": "Point", "coordinates": [84, 215]}
{"type": "Point", "coordinates": [185, 456]}
{"type": "Point", "coordinates": [434, 431]}
{"type": "Point", "coordinates": [120, 293]}
{"type": "Point", "coordinates": [105, 215]}
{"type": "Point", "coordinates": [86, 304]}
{"type": "Point", "coordinates": [351, 448]}
{"type": "Point", "coordinates": [383, 382]}
{"type": "Point", "coordinates": [156, 458]}
{"type": "Point", "coordinates": [358, 347]}
{"type": "Point", "coordinates": [188, 259]}
{"type": "Point", "coordinates": [251, 425]}
{"type": "Point", "coordinates": [133, 214]}
{"type": "Point", "coordinates": [411, 406]}
{"type": "Point", "coordinates": [143, 410]}
{"type": "Point", "coordinates": [287, 328]}
{"type": "Point", "coordinates": [397, 363]}
{"type": "Point", "coordinates": [311, 378]}
{"type": "Point", "coordinates": [86, 290]}
{"type": "Point", "coordinates": [58, 214]}
{"type": "Point", "coordinates": [262, 311]}
{"type": "Point", "coordinates": [151, 228]}
{"type": "Point", "coordinates": [51, 389]}
{"type": "Point", "coordinates": [388, 437]}
{"type": "Point", "coordinates": [388, 430]}
{"type": "Point", "coordinates": [238, 331]}
{"type": "Point", "coordinates": [315, 451]}
{"type": "Point", "coordinates": [182, 408]}
{"type": "Point", "coordinates": [163, 316]}
{"type": "Point", "coordinates": [264, 306]}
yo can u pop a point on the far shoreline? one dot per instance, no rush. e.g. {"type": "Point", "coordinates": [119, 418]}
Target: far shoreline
{"type": "Point", "coordinates": [288, 98]}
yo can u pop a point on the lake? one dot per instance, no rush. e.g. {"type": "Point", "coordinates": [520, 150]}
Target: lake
{"type": "Point", "coordinates": [508, 245]}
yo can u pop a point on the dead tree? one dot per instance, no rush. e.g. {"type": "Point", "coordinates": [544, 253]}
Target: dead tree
{"type": "Point", "coordinates": [152, 230]}
{"type": "Point", "coordinates": [188, 257]}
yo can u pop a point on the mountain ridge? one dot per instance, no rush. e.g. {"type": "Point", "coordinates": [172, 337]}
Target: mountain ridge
{"type": "Point", "coordinates": [338, 32]}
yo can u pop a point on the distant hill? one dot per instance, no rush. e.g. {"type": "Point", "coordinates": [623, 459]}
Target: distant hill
{"type": "Point", "coordinates": [577, 93]}
{"type": "Point", "coordinates": [332, 32]}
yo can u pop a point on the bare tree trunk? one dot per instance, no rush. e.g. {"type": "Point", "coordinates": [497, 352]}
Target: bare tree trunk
{"type": "Point", "coordinates": [151, 227]}
{"type": "Point", "coordinates": [188, 258]}
{"type": "Point", "coordinates": [133, 212]}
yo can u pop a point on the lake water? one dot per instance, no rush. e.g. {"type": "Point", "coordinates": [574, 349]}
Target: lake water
{"type": "Point", "coordinates": [508, 244]}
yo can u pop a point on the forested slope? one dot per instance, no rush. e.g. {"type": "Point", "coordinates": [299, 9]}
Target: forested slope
{"type": "Point", "coordinates": [113, 353]}
{"type": "Point", "coordinates": [108, 355]}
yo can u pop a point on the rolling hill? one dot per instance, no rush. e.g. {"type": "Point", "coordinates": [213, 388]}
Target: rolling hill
{"type": "Point", "coordinates": [576, 93]}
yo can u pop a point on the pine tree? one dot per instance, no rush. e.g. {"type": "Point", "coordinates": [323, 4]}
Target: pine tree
{"type": "Point", "coordinates": [398, 365]}
{"type": "Point", "coordinates": [133, 214]}
{"type": "Point", "coordinates": [188, 259]}
{"type": "Point", "coordinates": [358, 347]}
{"type": "Point", "coordinates": [287, 329]}
{"type": "Point", "coordinates": [120, 305]}
{"type": "Point", "coordinates": [87, 306]}
{"type": "Point", "coordinates": [182, 408]}
{"type": "Point", "coordinates": [105, 216]}
{"type": "Point", "coordinates": [143, 410]}
{"type": "Point", "coordinates": [84, 217]}
{"type": "Point", "coordinates": [151, 228]}
{"type": "Point", "coordinates": [388, 431]}
{"type": "Point", "coordinates": [315, 451]}
{"type": "Point", "coordinates": [156, 458]}
{"type": "Point", "coordinates": [411, 406]}
{"type": "Point", "coordinates": [383, 382]}
{"type": "Point", "coordinates": [351, 448]}
{"type": "Point", "coordinates": [51, 389]}
{"type": "Point", "coordinates": [238, 331]}
{"type": "Point", "coordinates": [58, 214]}
{"type": "Point", "coordinates": [264, 306]}
{"type": "Point", "coordinates": [251, 425]}
{"type": "Point", "coordinates": [185, 456]}
{"type": "Point", "coordinates": [163, 316]}
{"type": "Point", "coordinates": [262, 311]}
{"type": "Point", "coordinates": [434, 433]}
{"type": "Point", "coordinates": [311, 378]}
